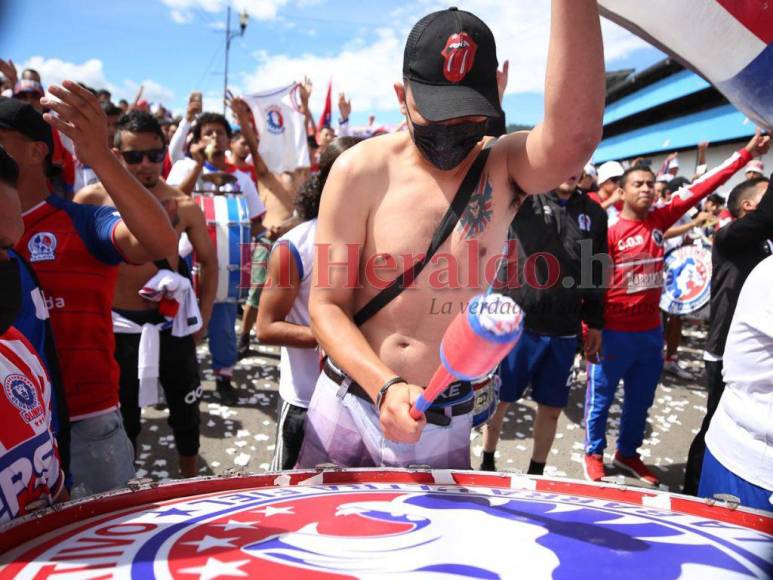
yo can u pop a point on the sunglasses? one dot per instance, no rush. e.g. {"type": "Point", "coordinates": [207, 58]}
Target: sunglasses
{"type": "Point", "coordinates": [135, 157]}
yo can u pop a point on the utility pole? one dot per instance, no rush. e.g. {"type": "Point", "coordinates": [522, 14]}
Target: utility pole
{"type": "Point", "coordinates": [244, 18]}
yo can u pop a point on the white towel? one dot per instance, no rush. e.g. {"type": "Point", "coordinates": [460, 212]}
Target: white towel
{"type": "Point", "coordinates": [148, 355]}
{"type": "Point", "coordinates": [167, 285]}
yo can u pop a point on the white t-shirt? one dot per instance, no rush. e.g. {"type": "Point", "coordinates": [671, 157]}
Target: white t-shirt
{"type": "Point", "coordinates": [284, 143]}
{"type": "Point", "coordinates": [299, 367]}
{"type": "Point", "coordinates": [741, 431]}
{"type": "Point", "coordinates": [243, 184]}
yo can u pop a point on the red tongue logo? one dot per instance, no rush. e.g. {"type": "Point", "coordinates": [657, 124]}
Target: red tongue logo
{"type": "Point", "coordinates": [459, 53]}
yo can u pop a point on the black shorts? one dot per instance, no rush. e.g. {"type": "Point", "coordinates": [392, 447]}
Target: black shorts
{"type": "Point", "coordinates": [178, 375]}
{"type": "Point", "coordinates": [289, 435]}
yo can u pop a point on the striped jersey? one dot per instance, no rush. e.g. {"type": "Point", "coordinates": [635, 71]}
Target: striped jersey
{"type": "Point", "coordinates": [30, 472]}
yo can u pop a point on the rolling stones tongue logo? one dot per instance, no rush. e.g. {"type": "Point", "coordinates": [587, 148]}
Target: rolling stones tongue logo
{"type": "Point", "coordinates": [459, 53]}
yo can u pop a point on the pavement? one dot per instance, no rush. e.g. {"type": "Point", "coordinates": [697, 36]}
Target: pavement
{"type": "Point", "coordinates": [242, 438]}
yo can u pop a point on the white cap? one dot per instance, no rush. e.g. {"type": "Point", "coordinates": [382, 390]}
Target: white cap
{"type": "Point", "coordinates": [756, 165]}
{"type": "Point", "coordinates": [674, 163]}
{"type": "Point", "coordinates": [590, 170]}
{"type": "Point", "coordinates": [609, 170]}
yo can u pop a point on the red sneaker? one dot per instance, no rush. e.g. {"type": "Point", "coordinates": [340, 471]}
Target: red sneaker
{"type": "Point", "coordinates": [635, 466]}
{"type": "Point", "coordinates": [593, 467]}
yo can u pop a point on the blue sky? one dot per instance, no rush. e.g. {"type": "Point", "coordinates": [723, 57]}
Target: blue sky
{"type": "Point", "coordinates": [175, 46]}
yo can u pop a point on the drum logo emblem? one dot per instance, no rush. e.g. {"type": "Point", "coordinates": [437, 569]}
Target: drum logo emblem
{"type": "Point", "coordinates": [275, 121]}
{"type": "Point", "coordinates": [394, 530]}
{"type": "Point", "coordinates": [459, 54]}
{"type": "Point", "coordinates": [42, 247]}
{"type": "Point", "coordinates": [21, 392]}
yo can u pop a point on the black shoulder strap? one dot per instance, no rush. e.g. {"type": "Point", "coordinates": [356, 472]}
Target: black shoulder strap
{"type": "Point", "coordinates": [452, 217]}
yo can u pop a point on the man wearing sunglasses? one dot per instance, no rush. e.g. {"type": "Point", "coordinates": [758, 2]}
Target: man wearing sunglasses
{"type": "Point", "coordinates": [139, 141]}
{"type": "Point", "coordinates": [74, 250]}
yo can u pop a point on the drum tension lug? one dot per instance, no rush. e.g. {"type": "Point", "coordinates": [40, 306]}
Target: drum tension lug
{"type": "Point", "coordinates": [233, 472]}
{"type": "Point", "coordinates": [139, 483]}
{"type": "Point", "coordinates": [729, 501]}
{"type": "Point", "coordinates": [327, 467]}
{"type": "Point", "coordinates": [420, 467]}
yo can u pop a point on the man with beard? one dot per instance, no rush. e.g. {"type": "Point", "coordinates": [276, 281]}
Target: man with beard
{"type": "Point", "coordinates": [384, 199]}
{"type": "Point", "coordinates": [140, 144]}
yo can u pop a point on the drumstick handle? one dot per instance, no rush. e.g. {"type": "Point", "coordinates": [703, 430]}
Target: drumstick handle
{"type": "Point", "coordinates": [437, 384]}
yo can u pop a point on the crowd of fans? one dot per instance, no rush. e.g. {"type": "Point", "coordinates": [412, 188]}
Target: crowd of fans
{"type": "Point", "coordinates": [110, 278]}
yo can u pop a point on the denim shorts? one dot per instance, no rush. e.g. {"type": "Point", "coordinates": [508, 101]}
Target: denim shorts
{"type": "Point", "coordinates": [102, 457]}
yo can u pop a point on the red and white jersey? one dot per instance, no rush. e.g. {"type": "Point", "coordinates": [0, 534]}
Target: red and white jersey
{"type": "Point", "coordinates": [30, 471]}
{"type": "Point", "coordinates": [637, 249]}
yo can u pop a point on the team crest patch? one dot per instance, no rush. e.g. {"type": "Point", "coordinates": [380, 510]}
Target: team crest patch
{"type": "Point", "coordinates": [394, 530]}
{"type": "Point", "coordinates": [275, 121]}
{"type": "Point", "coordinates": [687, 285]}
{"type": "Point", "coordinates": [583, 221]}
{"type": "Point", "coordinates": [658, 237]}
{"type": "Point", "coordinates": [21, 392]}
{"type": "Point", "coordinates": [42, 247]}
{"type": "Point", "coordinates": [459, 54]}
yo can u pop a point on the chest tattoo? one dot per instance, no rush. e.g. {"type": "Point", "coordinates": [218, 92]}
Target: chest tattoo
{"type": "Point", "coordinates": [480, 209]}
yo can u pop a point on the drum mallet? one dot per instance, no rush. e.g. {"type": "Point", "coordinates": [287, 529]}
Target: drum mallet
{"type": "Point", "coordinates": [473, 345]}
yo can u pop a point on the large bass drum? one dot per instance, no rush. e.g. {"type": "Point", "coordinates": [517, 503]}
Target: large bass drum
{"type": "Point", "coordinates": [228, 224]}
{"type": "Point", "coordinates": [382, 523]}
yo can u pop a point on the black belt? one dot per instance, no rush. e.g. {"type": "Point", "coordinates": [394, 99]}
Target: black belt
{"type": "Point", "coordinates": [435, 415]}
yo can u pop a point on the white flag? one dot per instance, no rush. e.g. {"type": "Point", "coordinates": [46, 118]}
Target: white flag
{"type": "Point", "coordinates": [281, 127]}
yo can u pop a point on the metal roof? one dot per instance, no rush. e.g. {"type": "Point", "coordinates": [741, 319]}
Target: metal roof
{"type": "Point", "coordinates": [663, 91]}
{"type": "Point", "coordinates": [716, 125]}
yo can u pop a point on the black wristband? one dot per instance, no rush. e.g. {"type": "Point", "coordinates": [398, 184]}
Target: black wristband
{"type": "Point", "coordinates": [382, 391]}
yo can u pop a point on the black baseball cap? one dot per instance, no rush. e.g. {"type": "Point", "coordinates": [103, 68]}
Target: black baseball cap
{"type": "Point", "coordinates": [22, 117]}
{"type": "Point", "coordinates": [450, 63]}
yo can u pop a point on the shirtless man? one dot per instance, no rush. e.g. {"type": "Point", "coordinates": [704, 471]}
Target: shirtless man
{"type": "Point", "coordinates": [388, 194]}
{"type": "Point", "coordinates": [140, 145]}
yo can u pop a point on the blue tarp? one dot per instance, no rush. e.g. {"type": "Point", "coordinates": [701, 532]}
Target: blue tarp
{"type": "Point", "coordinates": [723, 123]}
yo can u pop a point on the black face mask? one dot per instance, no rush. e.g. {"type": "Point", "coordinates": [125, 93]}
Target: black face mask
{"type": "Point", "coordinates": [446, 146]}
{"type": "Point", "coordinates": [10, 293]}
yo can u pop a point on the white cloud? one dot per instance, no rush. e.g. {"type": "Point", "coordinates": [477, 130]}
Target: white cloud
{"type": "Point", "coordinates": [369, 64]}
{"type": "Point", "coordinates": [152, 91]}
{"type": "Point", "coordinates": [54, 71]}
{"type": "Point", "coordinates": [183, 11]}
{"type": "Point", "coordinates": [91, 73]}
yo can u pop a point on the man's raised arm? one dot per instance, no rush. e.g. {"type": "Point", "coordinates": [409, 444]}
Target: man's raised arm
{"type": "Point", "coordinates": [146, 233]}
{"type": "Point", "coordinates": [574, 102]}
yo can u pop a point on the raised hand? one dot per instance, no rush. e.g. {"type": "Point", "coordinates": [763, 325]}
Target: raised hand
{"type": "Point", "coordinates": [344, 106]}
{"type": "Point", "coordinates": [304, 92]}
{"type": "Point", "coordinates": [194, 106]}
{"type": "Point", "coordinates": [79, 117]}
{"type": "Point", "coordinates": [9, 71]}
{"type": "Point", "coordinates": [759, 144]}
{"type": "Point", "coordinates": [502, 76]}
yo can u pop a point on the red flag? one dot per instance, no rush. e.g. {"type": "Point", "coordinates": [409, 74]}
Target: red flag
{"type": "Point", "coordinates": [325, 119]}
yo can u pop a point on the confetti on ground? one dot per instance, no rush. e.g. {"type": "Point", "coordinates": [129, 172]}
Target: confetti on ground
{"type": "Point", "coordinates": [229, 433]}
